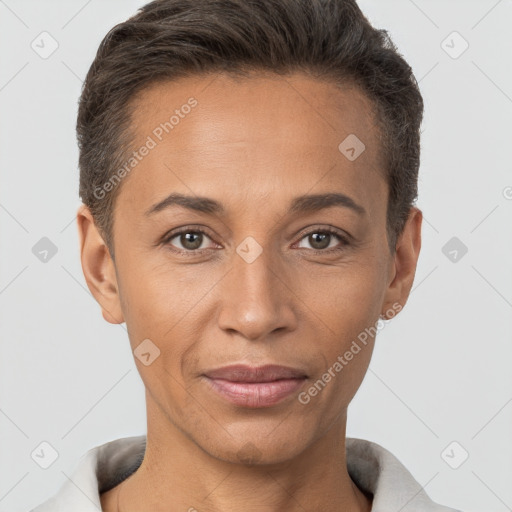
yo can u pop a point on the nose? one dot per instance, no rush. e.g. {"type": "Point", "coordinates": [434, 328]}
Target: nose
{"type": "Point", "coordinates": [257, 298]}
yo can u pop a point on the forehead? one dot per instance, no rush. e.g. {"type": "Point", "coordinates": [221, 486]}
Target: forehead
{"type": "Point", "coordinates": [262, 134]}
{"type": "Point", "coordinates": [258, 106]}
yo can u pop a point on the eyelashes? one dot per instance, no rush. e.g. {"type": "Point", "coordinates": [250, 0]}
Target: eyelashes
{"type": "Point", "coordinates": [196, 242]}
{"type": "Point", "coordinates": [330, 232]}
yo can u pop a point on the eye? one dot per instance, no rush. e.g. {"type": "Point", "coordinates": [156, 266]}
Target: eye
{"type": "Point", "coordinates": [189, 240]}
{"type": "Point", "coordinates": [320, 240]}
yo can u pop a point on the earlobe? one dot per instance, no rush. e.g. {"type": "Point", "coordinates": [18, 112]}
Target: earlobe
{"type": "Point", "coordinates": [98, 267]}
{"type": "Point", "coordinates": [405, 261]}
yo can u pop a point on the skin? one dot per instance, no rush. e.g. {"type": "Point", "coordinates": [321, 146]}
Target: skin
{"type": "Point", "coordinates": [252, 144]}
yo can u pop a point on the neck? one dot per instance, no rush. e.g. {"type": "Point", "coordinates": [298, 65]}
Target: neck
{"type": "Point", "coordinates": [177, 475]}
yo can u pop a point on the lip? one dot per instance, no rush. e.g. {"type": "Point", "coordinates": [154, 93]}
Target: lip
{"type": "Point", "coordinates": [255, 387]}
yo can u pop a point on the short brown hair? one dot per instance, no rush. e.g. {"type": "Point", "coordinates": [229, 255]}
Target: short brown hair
{"type": "Point", "coordinates": [171, 39]}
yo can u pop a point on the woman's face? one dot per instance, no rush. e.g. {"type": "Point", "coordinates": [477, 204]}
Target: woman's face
{"type": "Point", "coordinates": [257, 277]}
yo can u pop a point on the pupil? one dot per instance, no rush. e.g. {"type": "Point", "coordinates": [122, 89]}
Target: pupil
{"type": "Point", "coordinates": [324, 237]}
{"type": "Point", "coordinates": [320, 240]}
{"type": "Point", "coordinates": [195, 244]}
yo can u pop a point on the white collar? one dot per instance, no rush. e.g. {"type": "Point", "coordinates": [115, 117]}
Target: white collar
{"type": "Point", "coordinates": [373, 468]}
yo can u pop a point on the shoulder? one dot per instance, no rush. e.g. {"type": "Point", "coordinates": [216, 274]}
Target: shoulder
{"type": "Point", "coordinates": [377, 471]}
{"type": "Point", "coordinates": [101, 468]}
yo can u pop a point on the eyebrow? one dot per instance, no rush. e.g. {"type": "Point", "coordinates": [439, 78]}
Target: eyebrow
{"type": "Point", "coordinates": [301, 204]}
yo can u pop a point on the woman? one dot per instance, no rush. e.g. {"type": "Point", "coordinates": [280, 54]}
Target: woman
{"type": "Point", "coordinates": [248, 174]}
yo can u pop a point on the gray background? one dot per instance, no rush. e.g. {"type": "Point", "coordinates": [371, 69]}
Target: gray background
{"type": "Point", "coordinates": [441, 369]}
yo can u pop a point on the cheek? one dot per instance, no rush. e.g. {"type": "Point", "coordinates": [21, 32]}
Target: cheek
{"type": "Point", "coordinates": [348, 299]}
{"type": "Point", "coordinates": [166, 307]}
{"type": "Point", "coordinates": [157, 299]}
{"type": "Point", "coordinates": [349, 309]}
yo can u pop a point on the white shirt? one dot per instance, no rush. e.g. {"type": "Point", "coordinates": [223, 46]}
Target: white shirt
{"type": "Point", "coordinates": [371, 467]}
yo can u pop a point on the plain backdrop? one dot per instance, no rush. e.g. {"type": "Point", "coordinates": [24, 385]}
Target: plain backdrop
{"type": "Point", "coordinates": [439, 388]}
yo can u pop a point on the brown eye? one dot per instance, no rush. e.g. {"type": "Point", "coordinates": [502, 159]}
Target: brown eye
{"type": "Point", "coordinates": [321, 240]}
{"type": "Point", "coordinates": [191, 240]}
{"type": "Point", "coordinates": [187, 241]}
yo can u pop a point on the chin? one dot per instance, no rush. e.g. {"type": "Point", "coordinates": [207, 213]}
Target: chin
{"type": "Point", "coordinates": [256, 446]}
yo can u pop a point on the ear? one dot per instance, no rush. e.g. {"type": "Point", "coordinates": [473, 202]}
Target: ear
{"type": "Point", "coordinates": [98, 267]}
{"type": "Point", "coordinates": [403, 265]}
